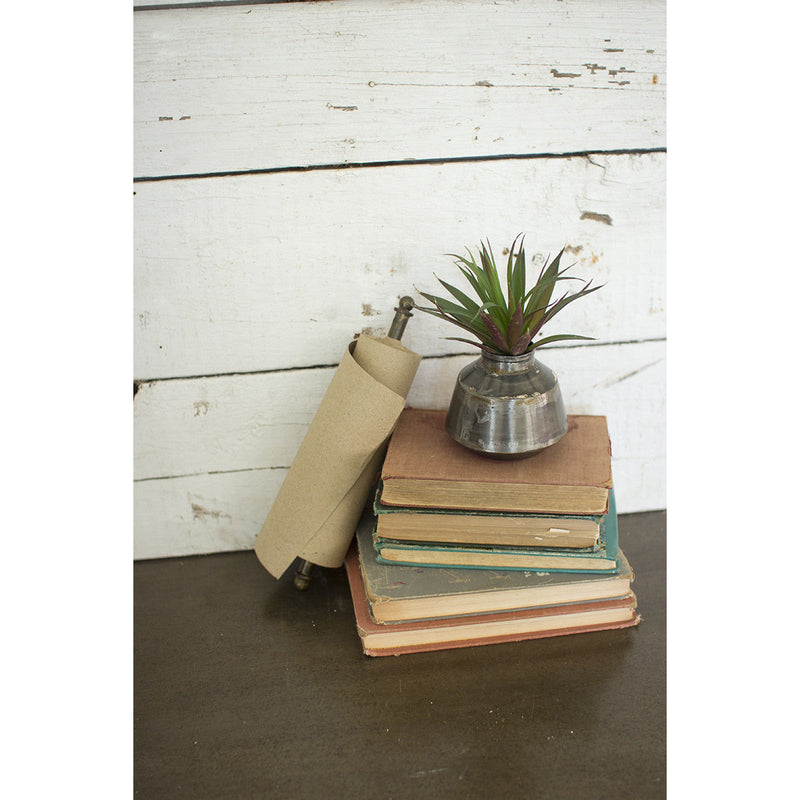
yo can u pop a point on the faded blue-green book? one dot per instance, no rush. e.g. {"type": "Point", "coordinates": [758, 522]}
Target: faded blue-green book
{"type": "Point", "coordinates": [601, 558]}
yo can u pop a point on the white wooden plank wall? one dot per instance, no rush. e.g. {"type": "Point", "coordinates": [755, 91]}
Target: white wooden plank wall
{"type": "Point", "coordinates": [336, 82]}
{"type": "Point", "coordinates": [299, 166]}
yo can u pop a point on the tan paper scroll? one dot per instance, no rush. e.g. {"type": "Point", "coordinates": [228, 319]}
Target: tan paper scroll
{"type": "Point", "coordinates": [320, 502]}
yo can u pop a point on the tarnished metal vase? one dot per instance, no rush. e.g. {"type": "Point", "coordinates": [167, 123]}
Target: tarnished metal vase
{"type": "Point", "coordinates": [507, 406]}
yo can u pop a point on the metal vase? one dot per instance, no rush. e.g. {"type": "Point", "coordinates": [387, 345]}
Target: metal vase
{"type": "Point", "coordinates": [507, 406]}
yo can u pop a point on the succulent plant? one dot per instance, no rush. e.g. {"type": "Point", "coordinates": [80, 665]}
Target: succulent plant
{"type": "Point", "coordinates": [507, 322]}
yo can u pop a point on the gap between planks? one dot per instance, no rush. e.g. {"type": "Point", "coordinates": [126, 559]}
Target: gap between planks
{"type": "Point", "coordinates": [139, 382]}
{"type": "Point", "coordinates": [208, 472]}
{"type": "Point", "coordinates": [211, 4]}
{"type": "Point", "coordinates": [403, 162]}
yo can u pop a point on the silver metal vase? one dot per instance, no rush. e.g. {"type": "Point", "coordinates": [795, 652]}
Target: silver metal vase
{"type": "Point", "coordinates": [507, 406]}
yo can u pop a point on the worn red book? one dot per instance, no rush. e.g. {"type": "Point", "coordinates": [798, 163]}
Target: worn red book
{"type": "Point", "coordinates": [480, 629]}
{"type": "Point", "coordinates": [425, 468]}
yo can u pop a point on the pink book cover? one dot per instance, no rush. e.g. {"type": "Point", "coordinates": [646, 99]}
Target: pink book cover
{"type": "Point", "coordinates": [421, 448]}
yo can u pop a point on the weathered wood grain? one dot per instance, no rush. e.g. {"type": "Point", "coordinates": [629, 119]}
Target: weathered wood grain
{"type": "Point", "coordinates": [211, 453]}
{"type": "Point", "coordinates": [202, 513]}
{"type": "Point", "coordinates": [239, 88]}
{"type": "Point", "coordinates": [248, 287]}
{"type": "Point", "coordinates": [273, 271]}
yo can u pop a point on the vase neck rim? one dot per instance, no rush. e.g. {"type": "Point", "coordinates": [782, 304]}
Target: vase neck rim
{"type": "Point", "coordinates": [506, 363]}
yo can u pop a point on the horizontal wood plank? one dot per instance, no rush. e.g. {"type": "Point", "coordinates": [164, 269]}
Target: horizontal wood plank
{"type": "Point", "coordinates": [211, 453]}
{"type": "Point", "coordinates": [267, 272]}
{"type": "Point", "coordinates": [240, 88]}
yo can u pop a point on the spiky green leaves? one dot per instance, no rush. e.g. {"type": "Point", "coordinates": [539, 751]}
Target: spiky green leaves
{"type": "Point", "coordinates": [505, 323]}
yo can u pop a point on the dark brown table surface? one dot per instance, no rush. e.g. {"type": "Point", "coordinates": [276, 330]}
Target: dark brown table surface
{"type": "Point", "coordinates": [246, 688]}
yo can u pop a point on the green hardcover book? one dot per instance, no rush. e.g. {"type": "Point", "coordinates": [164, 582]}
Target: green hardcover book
{"type": "Point", "coordinates": [600, 558]}
{"type": "Point", "coordinates": [401, 593]}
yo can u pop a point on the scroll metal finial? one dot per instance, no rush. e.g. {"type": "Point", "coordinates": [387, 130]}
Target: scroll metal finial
{"type": "Point", "coordinates": [302, 578]}
{"type": "Point", "coordinates": [401, 317]}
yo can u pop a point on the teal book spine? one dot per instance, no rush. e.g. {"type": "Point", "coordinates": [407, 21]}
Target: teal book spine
{"type": "Point", "coordinates": [611, 527]}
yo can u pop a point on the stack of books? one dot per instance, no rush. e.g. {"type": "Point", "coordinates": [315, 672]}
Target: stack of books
{"type": "Point", "coordinates": [460, 549]}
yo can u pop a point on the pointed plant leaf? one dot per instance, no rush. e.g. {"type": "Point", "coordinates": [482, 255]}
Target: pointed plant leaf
{"type": "Point", "coordinates": [481, 289]}
{"type": "Point", "coordinates": [542, 316]}
{"type": "Point", "coordinates": [449, 307]}
{"type": "Point", "coordinates": [543, 290]}
{"type": "Point", "coordinates": [510, 267]}
{"type": "Point", "coordinates": [567, 299]}
{"type": "Point", "coordinates": [519, 277]}
{"type": "Point", "coordinates": [466, 301]}
{"type": "Point", "coordinates": [511, 272]}
{"type": "Point", "coordinates": [514, 327]}
{"type": "Point", "coordinates": [560, 337]}
{"type": "Point", "coordinates": [521, 344]}
{"type": "Point", "coordinates": [489, 268]}
{"type": "Point", "coordinates": [477, 277]}
{"type": "Point", "coordinates": [484, 347]}
{"type": "Point", "coordinates": [468, 320]}
{"type": "Point", "coordinates": [495, 332]}
{"type": "Point", "coordinates": [480, 332]}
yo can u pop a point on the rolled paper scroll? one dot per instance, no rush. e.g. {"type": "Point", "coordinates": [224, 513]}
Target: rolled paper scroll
{"type": "Point", "coordinates": [323, 495]}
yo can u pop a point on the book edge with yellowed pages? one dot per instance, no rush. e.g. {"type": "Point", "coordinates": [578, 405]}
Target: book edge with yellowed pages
{"type": "Point", "coordinates": [458, 555]}
{"type": "Point", "coordinates": [399, 638]}
{"type": "Point", "coordinates": [455, 557]}
{"type": "Point", "coordinates": [482, 527]}
{"type": "Point", "coordinates": [471, 495]}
